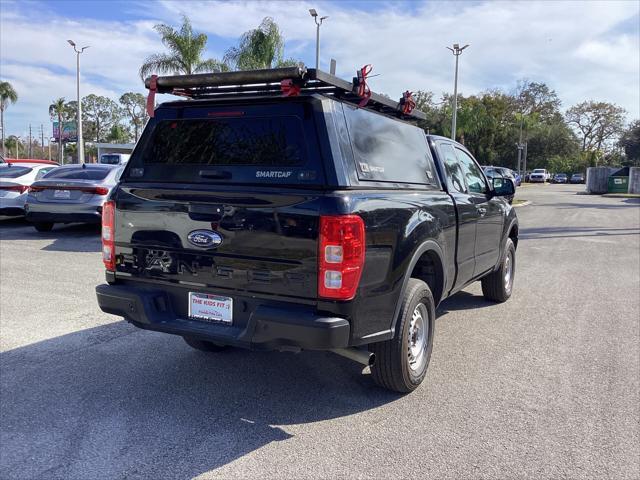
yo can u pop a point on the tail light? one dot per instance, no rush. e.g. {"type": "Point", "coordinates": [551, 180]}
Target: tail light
{"type": "Point", "coordinates": [36, 189]}
{"type": "Point", "coordinates": [95, 190]}
{"type": "Point", "coordinates": [340, 256]}
{"type": "Point", "coordinates": [108, 233]}
{"type": "Point", "coordinates": [15, 188]}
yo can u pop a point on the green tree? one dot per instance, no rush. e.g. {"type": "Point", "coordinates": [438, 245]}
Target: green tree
{"type": "Point", "coordinates": [630, 143]}
{"type": "Point", "coordinates": [596, 123]}
{"type": "Point", "coordinates": [100, 114]}
{"type": "Point", "coordinates": [186, 49]}
{"type": "Point", "coordinates": [14, 145]}
{"type": "Point", "coordinates": [135, 108]}
{"type": "Point", "coordinates": [118, 134]}
{"type": "Point", "coordinates": [59, 111]}
{"type": "Point", "coordinates": [8, 95]}
{"type": "Point", "coordinates": [262, 47]}
{"type": "Point", "coordinates": [537, 98]}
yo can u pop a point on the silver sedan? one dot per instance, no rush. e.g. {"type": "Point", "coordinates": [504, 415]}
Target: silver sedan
{"type": "Point", "coordinates": [15, 179]}
{"type": "Point", "coordinates": [69, 194]}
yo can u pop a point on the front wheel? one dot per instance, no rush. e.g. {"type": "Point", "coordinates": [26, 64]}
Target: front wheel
{"type": "Point", "coordinates": [401, 363]}
{"type": "Point", "coordinates": [498, 285]}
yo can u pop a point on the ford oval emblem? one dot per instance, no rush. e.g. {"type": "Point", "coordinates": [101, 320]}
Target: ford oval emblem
{"type": "Point", "coordinates": [205, 238]}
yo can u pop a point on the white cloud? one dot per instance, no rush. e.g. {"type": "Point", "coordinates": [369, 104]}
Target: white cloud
{"type": "Point", "coordinates": [578, 48]}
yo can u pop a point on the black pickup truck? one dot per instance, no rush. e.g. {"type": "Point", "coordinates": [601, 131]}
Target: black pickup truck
{"type": "Point", "coordinates": [250, 219]}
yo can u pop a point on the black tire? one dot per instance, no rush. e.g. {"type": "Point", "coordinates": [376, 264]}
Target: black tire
{"type": "Point", "coordinates": [497, 286]}
{"type": "Point", "coordinates": [392, 368]}
{"type": "Point", "coordinates": [203, 345]}
{"type": "Point", "coordinates": [43, 226]}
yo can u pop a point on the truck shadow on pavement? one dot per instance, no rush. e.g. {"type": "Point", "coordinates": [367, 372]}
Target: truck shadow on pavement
{"type": "Point", "coordinates": [462, 301]}
{"type": "Point", "coordinates": [117, 402]}
{"type": "Point", "coordinates": [66, 237]}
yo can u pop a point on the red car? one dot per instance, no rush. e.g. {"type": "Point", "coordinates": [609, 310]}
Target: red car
{"type": "Point", "coordinates": [30, 160]}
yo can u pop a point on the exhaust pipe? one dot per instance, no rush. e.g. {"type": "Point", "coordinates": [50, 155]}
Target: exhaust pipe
{"type": "Point", "coordinates": [363, 357]}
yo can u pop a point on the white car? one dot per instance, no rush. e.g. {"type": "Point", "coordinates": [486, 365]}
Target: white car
{"type": "Point", "coordinates": [539, 175]}
{"type": "Point", "coordinates": [15, 180]}
{"type": "Point", "coordinates": [114, 158]}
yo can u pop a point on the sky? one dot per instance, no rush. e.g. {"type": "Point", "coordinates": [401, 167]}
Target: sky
{"type": "Point", "coordinates": [583, 50]}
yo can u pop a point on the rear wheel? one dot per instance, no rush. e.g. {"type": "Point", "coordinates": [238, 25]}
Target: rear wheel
{"type": "Point", "coordinates": [43, 226]}
{"type": "Point", "coordinates": [203, 345]}
{"type": "Point", "coordinates": [497, 286]}
{"type": "Point", "coordinates": [401, 363]}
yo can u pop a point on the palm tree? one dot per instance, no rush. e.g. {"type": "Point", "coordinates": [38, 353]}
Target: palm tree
{"type": "Point", "coordinates": [262, 47]}
{"type": "Point", "coordinates": [185, 53]}
{"type": "Point", "coordinates": [58, 109]}
{"type": "Point", "coordinates": [7, 95]}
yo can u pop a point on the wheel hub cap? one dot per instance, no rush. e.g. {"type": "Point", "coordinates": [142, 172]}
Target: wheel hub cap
{"type": "Point", "coordinates": [508, 271]}
{"type": "Point", "coordinates": [417, 338]}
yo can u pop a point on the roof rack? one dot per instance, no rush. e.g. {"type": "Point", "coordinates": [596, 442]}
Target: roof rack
{"type": "Point", "coordinates": [289, 81]}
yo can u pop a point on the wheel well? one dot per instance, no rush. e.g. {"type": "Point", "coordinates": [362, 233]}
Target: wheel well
{"type": "Point", "coordinates": [513, 235]}
{"type": "Point", "coordinates": [429, 270]}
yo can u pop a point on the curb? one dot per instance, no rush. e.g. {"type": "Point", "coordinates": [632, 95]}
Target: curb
{"type": "Point", "coordinates": [621, 195]}
{"type": "Point", "coordinates": [523, 204]}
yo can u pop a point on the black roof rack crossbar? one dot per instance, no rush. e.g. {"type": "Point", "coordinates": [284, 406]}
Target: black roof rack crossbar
{"type": "Point", "coordinates": [268, 82]}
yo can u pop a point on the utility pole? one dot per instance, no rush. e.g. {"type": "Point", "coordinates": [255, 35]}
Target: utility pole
{"type": "Point", "coordinates": [49, 144]}
{"type": "Point", "coordinates": [79, 111]}
{"type": "Point", "coordinates": [314, 14]}
{"type": "Point", "coordinates": [457, 51]}
{"type": "Point", "coordinates": [30, 143]}
{"type": "Point", "coordinates": [42, 139]}
{"type": "Point", "coordinates": [520, 146]}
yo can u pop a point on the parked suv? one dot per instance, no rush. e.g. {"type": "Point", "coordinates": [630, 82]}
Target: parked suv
{"type": "Point", "coordinates": [301, 222]}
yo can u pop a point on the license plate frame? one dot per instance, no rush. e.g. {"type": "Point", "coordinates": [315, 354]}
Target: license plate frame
{"type": "Point", "coordinates": [62, 194]}
{"type": "Point", "coordinates": [210, 308]}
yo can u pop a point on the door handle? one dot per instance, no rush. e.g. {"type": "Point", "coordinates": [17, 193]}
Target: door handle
{"type": "Point", "coordinates": [482, 211]}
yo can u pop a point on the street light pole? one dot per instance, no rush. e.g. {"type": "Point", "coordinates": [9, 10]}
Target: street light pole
{"type": "Point", "coordinates": [314, 14]}
{"type": "Point", "coordinates": [457, 51]}
{"type": "Point", "coordinates": [79, 108]}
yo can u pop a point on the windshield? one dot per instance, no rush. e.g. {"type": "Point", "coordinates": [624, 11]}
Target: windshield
{"type": "Point", "coordinates": [78, 173]}
{"type": "Point", "coordinates": [539, 170]}
{"type": "Point", "coordinates": [113, 159]}
{"type": "Point", "coordinates": [13, 171]}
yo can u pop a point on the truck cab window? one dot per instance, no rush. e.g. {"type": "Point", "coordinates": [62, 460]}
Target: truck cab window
{"type": "Point", "coordinates": [473, 173]}
{"type": "Point", "coordinates": [455, 176]}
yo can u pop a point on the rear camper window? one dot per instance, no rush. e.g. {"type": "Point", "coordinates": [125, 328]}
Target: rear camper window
{"type": "Point", "coordinates": [387, 150]}
{"type": "Point", "coordinates": [78, 173]}
{"type": "Point", "coordinates": [269, 149]}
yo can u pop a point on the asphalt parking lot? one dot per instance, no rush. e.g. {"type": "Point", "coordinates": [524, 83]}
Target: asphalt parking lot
{"type": "Point", "coordinates": [544, 386]}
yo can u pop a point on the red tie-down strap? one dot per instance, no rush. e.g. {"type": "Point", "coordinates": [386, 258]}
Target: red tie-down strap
{"type": "Point", "coordinates": [363, 90]}
{"type": "Point", "coordinates": [151, 98]}
{"type": "Point", "coordinates": [407, 103]}
{"type": "Point", "coordinates": [289, 88]}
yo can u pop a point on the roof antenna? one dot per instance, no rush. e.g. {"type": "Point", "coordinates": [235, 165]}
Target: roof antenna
{"type": "Point", "coordinates": [84, 165]}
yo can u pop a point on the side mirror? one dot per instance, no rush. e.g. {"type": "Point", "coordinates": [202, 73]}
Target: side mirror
{"type": "Point", "coordinates": [503, 187]}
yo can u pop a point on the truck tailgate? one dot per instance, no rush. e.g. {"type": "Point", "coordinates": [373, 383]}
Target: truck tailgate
{"type": "Point", "coordinates": [268, 239]}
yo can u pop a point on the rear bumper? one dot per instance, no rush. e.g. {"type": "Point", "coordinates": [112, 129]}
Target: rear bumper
{"type": "Point", "coordinates": [12, 204]}
{"type": "Point", "coordinates": [63, 217]}
{"type": "Point", "coordinates": [11, 211]}
{"type": "Point", "coordinates": [63, 214]}
{"type": "Point", "coordinates": [256, 325]}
